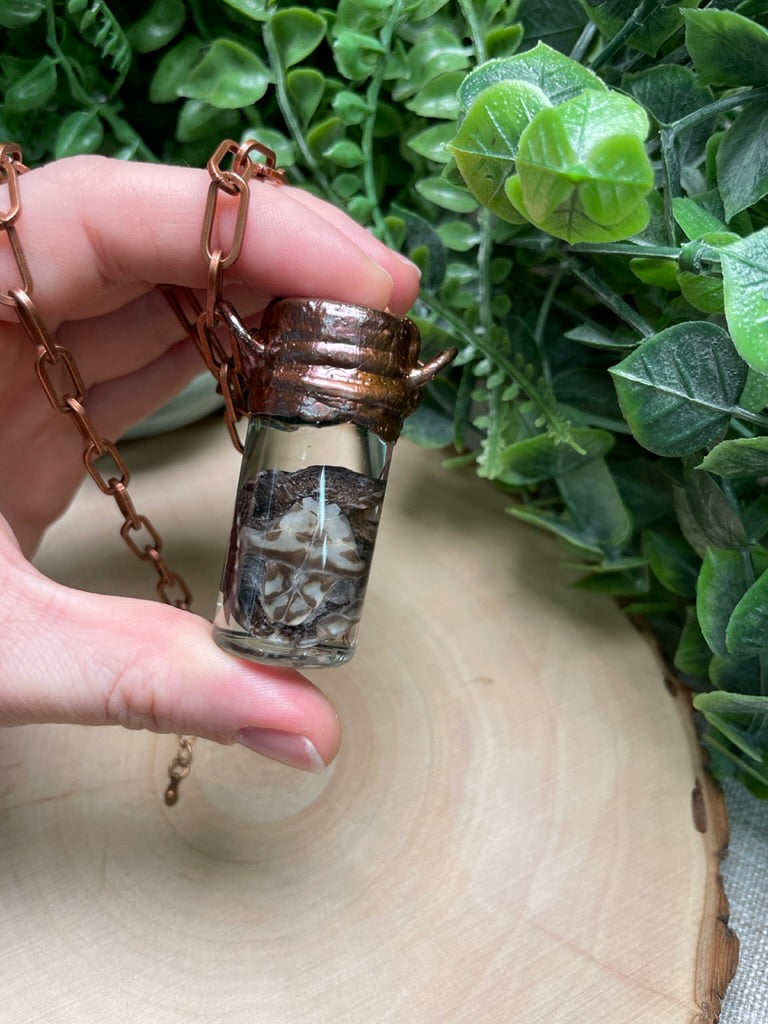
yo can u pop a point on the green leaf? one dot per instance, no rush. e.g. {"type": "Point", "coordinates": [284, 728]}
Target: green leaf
{"type": "Point", "coordinates": [720, 587]}
{"type": "Point", "coordinates": [692, 656]}
{"type": "Point", "coordinates": [694, 219]}
{"type": "Point", "coordinates": [449, 197]}
{"type": "Point", "coordinates": [704, 293]}
{"type": "Point", "coordinates": [297, 32]}
{"type": "Point", "coordinates": [678, 389]}
{"type": "Point", "coordinates": [305, 88]}
{"type": "Point", "coordinates": [159, 24]}
{"type": "Point", "coordinates": [173, 69]}
{"type": "Point", "coordinates": [539, 458]}
{"type": "Point", "coordinates": [742, 161]}
{"type": "Point", "coordinates": [504, 40]}
{"type": "Point", "coordinates": [19, 13]}
{"type": "Point", "coordinates": [344, 153]}
{"type": "Point", "coordinates": [255, 10]}
{"type": "Point", "coordinates": [356, 55]}
{"type": "Point", "coordinates": [572, 533]}
{"type": "Point", "coordinates": [198, 120]}
{"type": "Point", "coordinates": [583, 172]}
{"type": "Point", "coordinates": [558, 77]}
{"type": "Point", "coordinates": [718, 523]}
{"type": "Point", "coordinates": [722, 703]}
{"type": "Point", "coordinates": [747, 632]}
{"type": "Point", "coordinates": [98, 26]}
{"type": "Point", "coordinates": [432, 143]}
{"type": "Point", "coordinates": [558, 23]}
{"type": "Point", "coordinates": [739, 457]}
{"type": "Point", "coordinates": [727, 48]}
{"type": "Point", "coordinates": [80, 132]}
{"type": "Point", "coordinates": [486, 143]}
{"type": "Point", "coordinates": [429, 427]}
{"type": "Point", "coordinates": [436, 52]}
{"type": "Point", "coordinates": [660, 20]}
{"type": "Point", "coordinates": [745, 288]}
{"type": "Point", "coordinates": [593, 500]}
{"type": "Point", "coordinates": [673, 561]}
{"type": "Point", "coordinates": [33, 90]}
{"type": "Point", "coordinates": [228, 77]}
{"type": "Point", "coordinates": [438, 98]}
{"type": "Point", "coordinates": [459, 235]}
{"type": "Point", "coordinates": [668, 92]}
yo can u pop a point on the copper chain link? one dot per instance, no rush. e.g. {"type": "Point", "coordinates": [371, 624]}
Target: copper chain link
{"type": "Point", "coordinates": [221, 357]}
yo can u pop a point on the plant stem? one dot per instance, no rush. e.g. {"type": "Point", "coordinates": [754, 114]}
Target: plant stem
{"type": "Point", "coordinates": [475, 29]}
{"type": "Point", "coordinates": [289, 114]}
{"type": "Point", "coordinates": [613, 301]}
{"type": "Point", "coordinates": [543, 316]}
{"type": "Point", "coordinates": [635, 21]}
{"type": "Point", "coordinates": [372, 102]}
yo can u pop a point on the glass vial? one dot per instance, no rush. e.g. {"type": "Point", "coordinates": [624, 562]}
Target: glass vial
{"type": "Point", "coordinates": [306, 515]}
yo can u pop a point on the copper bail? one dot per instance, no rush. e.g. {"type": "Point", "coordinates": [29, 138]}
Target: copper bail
{"type": "Point", "coordinates": [323, 362]}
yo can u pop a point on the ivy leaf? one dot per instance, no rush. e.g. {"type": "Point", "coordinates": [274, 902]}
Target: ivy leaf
{"type": "Point", "coordinates": [678, 389]}
{"type": "Point", "coordinates": [745, 289]}
{"type": "Point", "coordinates": [726, 47]}
{"type": "Point", "coordinates": [558, 77]}
{"type": "Point", "coordinates": [742, 161]}
{"type": "Point", "coordinates": [720, 587]}
{"type": "Point", "coordinates": [739, 457]}
{"type": "Point", "coordinates": [228, 77]}
{"type": "Point", "coordinates": [297, 32]}
{"type": "Point", "coordinates": [486, 144]}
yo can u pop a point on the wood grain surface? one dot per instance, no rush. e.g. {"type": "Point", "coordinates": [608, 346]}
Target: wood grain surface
{"type": "Point", "coordinates": [507, 834]}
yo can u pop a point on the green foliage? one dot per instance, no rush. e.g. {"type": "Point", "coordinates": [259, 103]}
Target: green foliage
{"type": "Point", "coordinates": [584, 184]}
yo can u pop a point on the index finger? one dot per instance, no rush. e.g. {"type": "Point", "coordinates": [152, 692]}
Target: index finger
{"type": "Point", "coordinates": [98, 232]}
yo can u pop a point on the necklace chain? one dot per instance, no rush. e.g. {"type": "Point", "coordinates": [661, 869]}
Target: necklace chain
{"type": "Point", "coordinates": [63, 385]}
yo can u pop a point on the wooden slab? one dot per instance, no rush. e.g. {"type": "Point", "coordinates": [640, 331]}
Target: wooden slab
{"type": "Point", "coordinates": [506, 835]}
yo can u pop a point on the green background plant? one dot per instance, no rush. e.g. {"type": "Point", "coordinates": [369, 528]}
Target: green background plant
{"type": "Point", "coordinates": [584, 185]}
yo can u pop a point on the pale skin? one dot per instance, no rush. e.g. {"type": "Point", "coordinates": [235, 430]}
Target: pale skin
{"type": "Point", "coordinates": [99, 235]}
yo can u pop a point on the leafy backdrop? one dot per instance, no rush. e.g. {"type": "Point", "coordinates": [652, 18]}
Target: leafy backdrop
{"type": "Point", "coordinates": [584, 185]}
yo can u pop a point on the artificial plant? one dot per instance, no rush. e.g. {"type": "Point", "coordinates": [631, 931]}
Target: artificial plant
{"type": "Point", "coordinates": [584, 185]}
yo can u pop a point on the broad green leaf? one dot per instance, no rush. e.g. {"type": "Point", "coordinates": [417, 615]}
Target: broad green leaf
{"type": "Point", "coordinates": [256, 10]}
{"type": "Point", "coordinates": [739, 457]}
{"type": "Point", "coordinates": [572, 533]}
{"type": "Point", "coordinates": [504, 40]}
{"type": "Point", "coordinates": [429, 427]}
{"type": "Point", "coordinates": [660, 20]}
{"type": "Point", "coordinates": [344, 153]}
{"type": "Point", "coordinates": [449, 197]}
{"type": "Point", "coordinates": [459, 235]}
{"type": "Point", "coordinates": [583, 172]}
{"type": "Point", "coordinates": [159, 24]}
{"type": "Point", "coordinates": [718, 522]}
{"type": "Point", "coordinates": [667, 91]}
{"type": "Point", "coordinates": [755, 394]}
{"type": "Point", "coordinates": [742, 161]}
{"type": "Point", "coordinates": [228, 77]}
{"type": "Point", "coordinates": [692, 656]}
{"type": "Point", "coordinates": [593, 500]}
{"type": "Point", "coordinates": [486, 143]}
{"type": "Point", "coordinates": [297, 32]}
{"type": "Point", "coordinates": [18, 13]}
{"type": "Point", "coordinates": [704, 293]}
{"type": "Point", "coordinates": [351, 107]}
{"type": "Point", "coordinates": [745, 287]}
{"type": "Point", "coordinates": [558, 77]}
{"type": "Point", "coordinates": [558, 23]}
{"type": "Point", "coordinates": [656, 272]}
{"type": "Point", "coordinates": [33, 90]}
{"type": "Point", "coordinates": [305, 87]}
{"type": "Point", "coordinates": [721, 585]}
{"type": "Point", "coordinates": [174, 68]}
{"type": "Point", "coordinates": [747, 632]}
{"type": "Point", "coordinates": [432, 143]}
{"type": "Point", "coordinates": [539, 458]}
{"type": "Point", "coordinates": [199, 120]}
{"type": "Point", "coordinates": [81, 132]}
{"type": "Point", "coordinates": [727, 48]}
{"type": "Point", "coordinates": [673, 561]}
{"type": "Point", "coordinates": [694, 219]}
{"type": "Point", "coordinates": [438, 98]}
{"type": "Point", "coordinates": [678, 389]}
{"type": "Point", "coordinates": [436, 52]}
{"type": "Point", "coordinates": [741, 675]}
{"type": "Point", "coordinates": [723, 703]}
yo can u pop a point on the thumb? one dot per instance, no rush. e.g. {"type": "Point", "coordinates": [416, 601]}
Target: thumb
{"type": "Point", "coordinates": [68, 656]}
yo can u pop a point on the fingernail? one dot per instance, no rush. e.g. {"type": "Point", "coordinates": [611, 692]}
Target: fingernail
{"type": "Point", "coordinates": [409, 263]}
{"type": "Point", "coordinates": [286, 747]}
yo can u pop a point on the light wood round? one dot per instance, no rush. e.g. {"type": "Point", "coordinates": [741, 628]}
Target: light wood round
{"type": "Point", "coordinates": [505, 836]}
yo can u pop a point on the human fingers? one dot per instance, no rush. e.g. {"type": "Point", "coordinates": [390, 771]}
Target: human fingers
{"type": "Point", "coordinates": [72, 657]}
{"type": "Point", "coordinates": [98, 233]}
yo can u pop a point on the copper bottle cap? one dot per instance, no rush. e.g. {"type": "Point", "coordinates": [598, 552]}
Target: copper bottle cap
{"type": "Point", "coordinates": [325, 362]}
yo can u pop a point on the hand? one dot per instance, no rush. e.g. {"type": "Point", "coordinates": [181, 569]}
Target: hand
{"type": "Point", "coordinates": [99, 235]}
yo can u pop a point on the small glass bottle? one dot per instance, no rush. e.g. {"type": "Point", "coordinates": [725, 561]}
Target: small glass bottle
{"type": "Point", "coordinates": [328, 386]}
